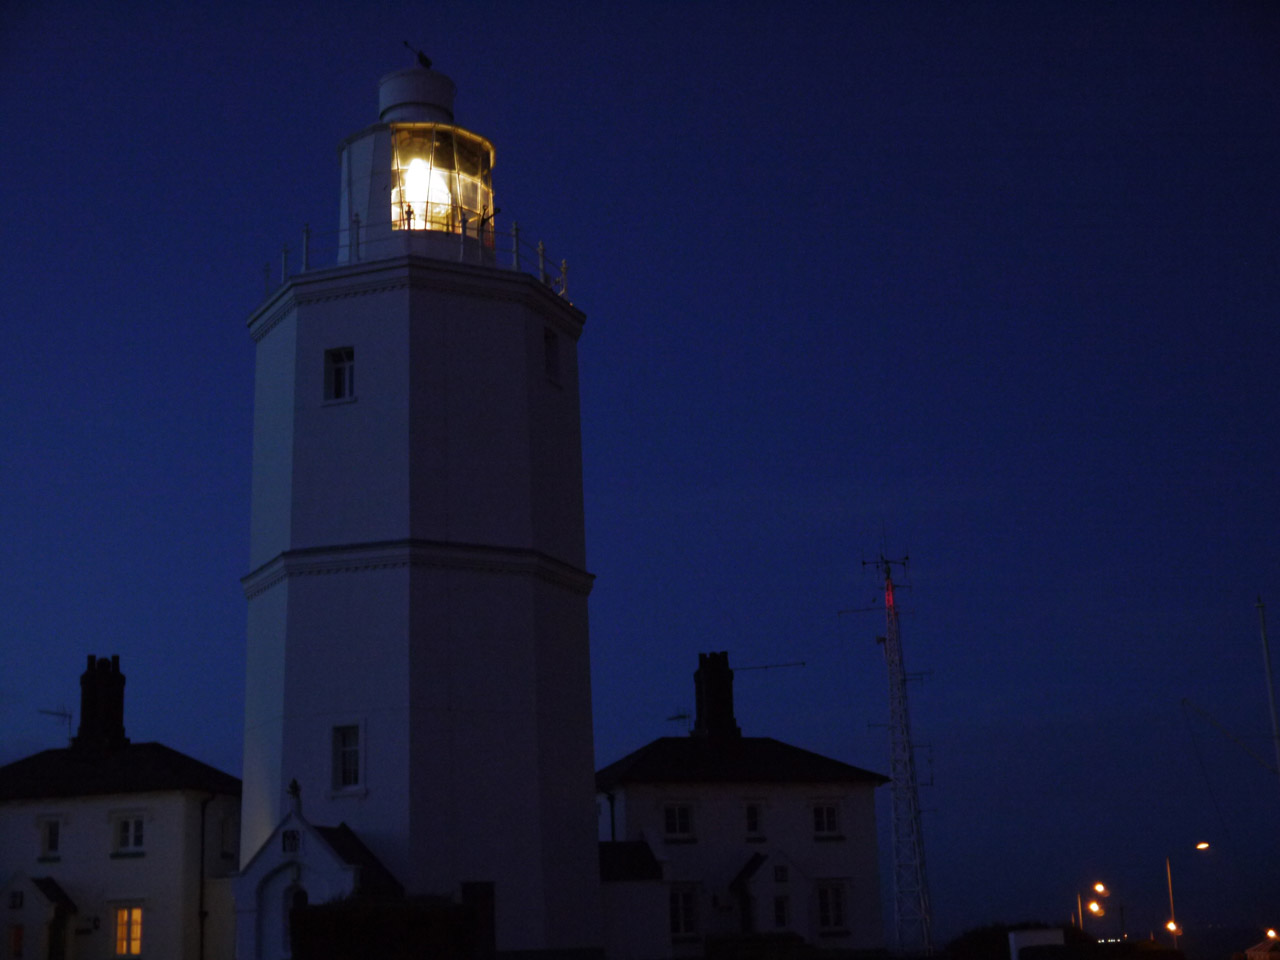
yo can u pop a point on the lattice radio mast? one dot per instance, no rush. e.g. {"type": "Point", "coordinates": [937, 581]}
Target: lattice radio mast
{"type": "Point", "coordinates": [911, 911]}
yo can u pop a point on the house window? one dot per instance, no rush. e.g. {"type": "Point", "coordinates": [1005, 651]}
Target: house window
{"type": "Point", "coordinates": [781, 912]}
{"type": "Point", "coordinates": [50, 839]}
{"type": "Point", "coordinates": [826, 821]}
{"type": "Point", "coordinates": [128, 931]}
{"type": "Point", "coordinates": [128, 836]}
{"type": "Point", "coordinates": [677, 822]}
{"type": "Point", "coordinates": [340, 373]}
{"type": "Point", "coordinates": [753, 820]}
{"type": "Point", "coordinates": [290, 841]}
{"type": "Point", "coordinates": [346, 757]}
{"type": "Point", "coordinates": [684, 911]}
{"type": "Point", "coordinates": [830, 906]}
{"type": "Point", "coordinates": [551, 354]}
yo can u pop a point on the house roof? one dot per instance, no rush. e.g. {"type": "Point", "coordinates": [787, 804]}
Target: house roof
{"type": "Point", "coordinates": [729, 759]}
{"type": "Point", "coordinates": [374, 879]}
{"type": "Point", "coordinates": [622, 860]}
{"type": "Point", "coordinates": [52, 892]}
{"type": "Point", "coordinates": [125, 768]}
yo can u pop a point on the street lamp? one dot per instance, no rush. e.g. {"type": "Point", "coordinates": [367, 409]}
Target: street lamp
{"type": "Point", "coordinates": [1172, 926]}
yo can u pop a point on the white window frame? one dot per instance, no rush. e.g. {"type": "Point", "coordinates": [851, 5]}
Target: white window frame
{"type": "Point", "coordinates": [756, 832]}
{"type": "Point", "coordinates": [830, 903]}
{"type": "Point", "coordinates": [337, 785]}
{"type": "Point", "coordinates": [673, 830]}
{"type": "Point", "coordinates": [826, 819]}
{"type": "Point", "coordinates": [50, 826]}
{"type": "Point", "coordinates": [340, 375]}
{"type": "Point", "coordinates": [129, 833]}
{"type": "Point", "coordinates": [682, 902]}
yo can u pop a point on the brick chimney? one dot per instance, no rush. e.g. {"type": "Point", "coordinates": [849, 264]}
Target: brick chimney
{"type": "Point", "coordinates": [713, 688]}
{"type": "Point", "coordinates": [101, 705]}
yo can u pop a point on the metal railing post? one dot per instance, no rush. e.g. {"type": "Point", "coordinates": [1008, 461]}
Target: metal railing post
{"type": "Point", "coordinates": [564, 278]}
{"type": "Point", "coordinates": [462, 240]}
{"type": "Point", "coordinates": [355, 236]}
{"type": "Point", "coordinates": [515, 245]}
{"type": "Point", "coordinates": [306, 247]}
{"type": "Point", "coordinates": [266, 279]}
{"type": "Point", "coordinates": [542, 262]}
{"type": "Point", "coordinates": [284, 263]}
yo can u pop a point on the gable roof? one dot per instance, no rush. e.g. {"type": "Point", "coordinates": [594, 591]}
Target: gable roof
{"type": "Point", "coordinates": [729, 759]}
{"type": "Point", "coordinates": [622, 860]}
{"type": "Point", "coordinates": [373, 878]}
{"type": "Point", "coordinates": [128, 768]}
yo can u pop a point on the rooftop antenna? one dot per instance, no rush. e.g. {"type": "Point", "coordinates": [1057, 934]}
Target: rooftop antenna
{"type": "Point", "coordinates": [63, 714]}
{"type": "Point", "coordinates": [911, 911]}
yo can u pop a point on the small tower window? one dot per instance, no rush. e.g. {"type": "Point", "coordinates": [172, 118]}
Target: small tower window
{"type": "Point", "coordinates": [340, 373]}
{"type": "Point", "coordinates": [346, 757]}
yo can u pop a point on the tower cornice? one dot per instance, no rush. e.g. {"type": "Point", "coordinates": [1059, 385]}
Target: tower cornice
{"type": "Point", "coordinates": [416, 272]}
{"type": "Point", "coordinates": [348, 558]}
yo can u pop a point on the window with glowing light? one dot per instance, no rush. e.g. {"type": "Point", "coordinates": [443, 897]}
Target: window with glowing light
{"type": "Point", "coordinates": [128, 931]}
{"type": "Point", "coordinates": [440, 174]}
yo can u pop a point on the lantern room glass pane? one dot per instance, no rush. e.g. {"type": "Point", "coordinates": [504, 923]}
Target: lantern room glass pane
{"type": "Point", "coordinates": [439, 175]}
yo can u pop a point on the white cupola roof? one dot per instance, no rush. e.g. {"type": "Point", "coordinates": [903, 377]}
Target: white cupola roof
{"type": "Point", "coordinates": [416, 95]}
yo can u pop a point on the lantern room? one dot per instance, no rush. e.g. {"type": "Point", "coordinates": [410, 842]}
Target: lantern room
{"type": "Point", "coordinates": [414, 182]}
{"type": "Point", "coordinates": [440, 177]}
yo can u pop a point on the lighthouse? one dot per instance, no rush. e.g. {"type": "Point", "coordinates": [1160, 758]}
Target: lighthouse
{"type": "Point", "coordinates": [418, 704]}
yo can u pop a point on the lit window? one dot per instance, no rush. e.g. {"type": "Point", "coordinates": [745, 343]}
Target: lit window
{"type": "Point", "coordinates": [340, 373]}
{"type": "Point", "coordinates": [128, 836]}
{"type": "Point", "coordinates": [826, 820]}
{"type": "Point", "coordinates": [677, 821]}
{"type": "Point", "coordinates": [830, 906]}
{"type": "Point", "coordinates": [346, 757]}
{"type": "Point", "coordinates": [684, 911]}
{"type": "Point", "coordinates": [128, 931]}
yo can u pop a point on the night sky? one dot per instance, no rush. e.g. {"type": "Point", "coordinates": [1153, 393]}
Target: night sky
{"type": "Point", "coordinates": [990, 284]}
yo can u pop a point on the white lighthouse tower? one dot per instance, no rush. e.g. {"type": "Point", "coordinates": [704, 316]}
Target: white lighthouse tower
{"type": "Point", "coordinates": [417, 635]}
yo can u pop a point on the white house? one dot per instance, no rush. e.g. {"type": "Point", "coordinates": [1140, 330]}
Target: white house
{"type": "Point", "coordinates": [755, 837]}
{"type": "Point", "coordinates": [113, 848]}
{"type": "Point", "coordinates": [417, 629]}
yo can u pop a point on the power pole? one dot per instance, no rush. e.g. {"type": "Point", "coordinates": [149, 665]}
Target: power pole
{"type": "Point", "coordinates": [912, 915]}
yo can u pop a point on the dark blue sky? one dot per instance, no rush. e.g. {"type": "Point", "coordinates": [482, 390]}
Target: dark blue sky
{"type": "Point", "coordinates": [994, 285]}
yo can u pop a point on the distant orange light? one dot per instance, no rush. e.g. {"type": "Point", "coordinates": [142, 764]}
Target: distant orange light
{"type": "Point", "coordinates": [1271, 934]}
{"type": "Point", "coordinates": [1202, 845]}
{"type": "Point", "coordinates": [1095, 908]}
{"type": "Point", "coordinates": [1171, 926]}
{"type": "Point", "coordinates": [1101, 890]}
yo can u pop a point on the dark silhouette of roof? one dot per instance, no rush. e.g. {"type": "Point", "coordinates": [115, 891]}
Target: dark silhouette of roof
{"type": "Point", "coordinates": [698, 759]}
{"type": "Point", "coordinates": [374, 879]}
{"type": "Point", "coordinates": [622, 860]}
{"type": "Point", "coordinates": [78, 771]}
{"type": "Point", "coordinates": [52, 892]}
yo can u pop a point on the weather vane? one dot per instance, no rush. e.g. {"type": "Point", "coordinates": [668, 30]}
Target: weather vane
{"type": "Point", "coordinates": [423, 59]}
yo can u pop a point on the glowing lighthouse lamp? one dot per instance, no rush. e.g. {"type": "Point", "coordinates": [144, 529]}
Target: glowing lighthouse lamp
{"type": "Point", "coordinates": [441, 179]}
